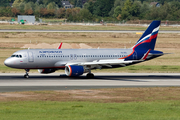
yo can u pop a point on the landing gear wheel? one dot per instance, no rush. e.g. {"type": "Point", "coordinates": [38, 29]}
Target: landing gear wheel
{"type": "Point", "coordinates": [90, 75]}
{"type": "Point", "coordinates": [27, 73]}
{"type": "Point", "coordinates": [26, 76]}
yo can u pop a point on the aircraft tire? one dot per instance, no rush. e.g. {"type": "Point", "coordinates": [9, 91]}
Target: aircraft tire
{"type": "Point", "coordinates": [90, 75]}
{"type": "Point", "coordinates": [26, 76]}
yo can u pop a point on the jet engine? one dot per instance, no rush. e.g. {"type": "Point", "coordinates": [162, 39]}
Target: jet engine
{"type": "Point", "coordinates": [46, 71]}
{"type": "Point", "coordinates": [73, 70]}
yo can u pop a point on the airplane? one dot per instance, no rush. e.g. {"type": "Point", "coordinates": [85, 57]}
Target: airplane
{"type": "Point", "coordinates": [76, 62]}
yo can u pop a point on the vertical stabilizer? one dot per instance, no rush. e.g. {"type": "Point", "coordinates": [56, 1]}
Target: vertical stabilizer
{"type": "Point", "coordinates": [148, 39]}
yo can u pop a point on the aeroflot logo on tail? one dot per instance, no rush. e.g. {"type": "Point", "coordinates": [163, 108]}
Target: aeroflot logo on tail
{"type": "Point", "coordinates": [50, 51]}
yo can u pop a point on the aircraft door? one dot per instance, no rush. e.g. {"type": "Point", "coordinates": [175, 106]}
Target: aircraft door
{"type": "Point", "coordinates": [75, 56]}
{"type": "Point", "coordinates": [135, 55]}
{"type": "Point", "coordinates": [30, 57]}
{"type": "Point", "coordinates": [71, 56]}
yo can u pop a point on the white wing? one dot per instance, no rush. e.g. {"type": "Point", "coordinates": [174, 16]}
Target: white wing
{"type": "Point", "coordinates": [108, 63]}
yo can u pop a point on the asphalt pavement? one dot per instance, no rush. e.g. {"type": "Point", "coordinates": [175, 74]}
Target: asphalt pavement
{"type": "Point", "coordinates": [16, 82]}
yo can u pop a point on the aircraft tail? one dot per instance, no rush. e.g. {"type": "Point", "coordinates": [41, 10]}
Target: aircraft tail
{"type": "Point", "coordinates": [148, 39]}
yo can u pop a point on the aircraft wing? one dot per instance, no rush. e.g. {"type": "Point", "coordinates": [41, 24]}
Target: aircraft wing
{"type": "Point", "coordinates": [108, 63]}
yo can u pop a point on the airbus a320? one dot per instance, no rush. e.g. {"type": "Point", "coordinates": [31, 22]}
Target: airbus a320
{"type": "Point", "coordinates": [76, 62]}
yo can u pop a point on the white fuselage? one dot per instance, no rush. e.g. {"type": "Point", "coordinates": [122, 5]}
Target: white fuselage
{"type": "Point", "coordinates": [58, 58]}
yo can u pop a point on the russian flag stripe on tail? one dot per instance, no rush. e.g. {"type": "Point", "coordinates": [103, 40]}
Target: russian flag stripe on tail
{"type": "Point", "coordinates": [145, 55]}
{"type": "Point", "coordinates": [148, 39]}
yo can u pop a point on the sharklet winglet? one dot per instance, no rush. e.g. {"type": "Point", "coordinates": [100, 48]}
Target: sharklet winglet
{"type": "Point", "coordinates": [60, 45]}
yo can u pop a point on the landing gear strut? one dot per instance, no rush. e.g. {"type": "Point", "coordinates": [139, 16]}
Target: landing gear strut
{"type": "Point", "coordinates": [27, 73]}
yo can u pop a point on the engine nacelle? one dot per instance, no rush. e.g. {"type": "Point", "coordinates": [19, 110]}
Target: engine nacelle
{"type": "Point", "coordinates": [72, 70]}
{"type": "Point", "coordinates": [46, 71]}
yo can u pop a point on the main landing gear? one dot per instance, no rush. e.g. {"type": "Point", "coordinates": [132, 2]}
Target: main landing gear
{"type": "Point", "coordinates": [27, 73]}
{"type": "Point", "coordinates": [90, 75]}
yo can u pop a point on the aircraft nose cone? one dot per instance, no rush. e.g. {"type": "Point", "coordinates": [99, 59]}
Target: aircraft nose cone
{"type": "Point", "coordinates": [7, 62]}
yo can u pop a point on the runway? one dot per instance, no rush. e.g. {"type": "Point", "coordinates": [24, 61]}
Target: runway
{"type": "Point", "coordinates": [89, 31]}
{"type": "Point", "coordinates": [15, 82]}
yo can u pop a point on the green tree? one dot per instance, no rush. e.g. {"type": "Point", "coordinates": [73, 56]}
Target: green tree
{"type": "Point", "coordinates": [28, 9]}
{"type": "Point", "coordinates": [36, 9]}
{"type": "Point", "coordinates": [57, 2]}
{"type": "Point", "coordinates": [90, 7]}
{"type": "Point", "coordinates": [117, 11]}
{"type": "Point", "coordinates": [86, 5]}
{"type": "Point", "coordinates": [21, 8]}
{"type": "Point", "coordinates": [164, 10]}
{"type": "Point", "coordinates": [126, 10]}
{"type": "Point", "coordinates": [142, 1]}
{"type": "Point", "coordinates": [161, 2]}
{"type": "Point", "coordinates": [135, 9]}
{"type": "Point", "coordinates": [144, 10]}
{"type": "Point", "coordinates": [46, 2]}
{"type": "Point", "coordinates": [116, 3]}
{"type": "Point", "coordinates": [60, 13]}
{"type": "Point", "coordinates": [4, 3]}
{"type": "Point", "coordinates": [85, 15]}
{"type": "Point", "coordinates": [103, 7]}
{"type": "Point", "coordinates": [127, 6]}
{"type": "Point", "coordinates": [27, 6]}
{"type": "Point", "coordinates": [52, 5]}
{"type": "Point", "coordinates": [68, 13]}
{"type": "Point", "coordinates": [6, 11]}
{"type": "Point", "coordinates": [79, 3]}
{"type": "Point", "coordinates": [30, 1]}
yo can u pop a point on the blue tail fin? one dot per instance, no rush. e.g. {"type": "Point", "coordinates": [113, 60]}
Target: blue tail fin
{"type": "Point", "coordinates": [148, 39]}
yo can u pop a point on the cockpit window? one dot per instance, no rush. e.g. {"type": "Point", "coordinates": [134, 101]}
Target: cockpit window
{"type": "Point", "coordinates": [13, 55]}
{"type": "Point", "coordinates": [18, 56]}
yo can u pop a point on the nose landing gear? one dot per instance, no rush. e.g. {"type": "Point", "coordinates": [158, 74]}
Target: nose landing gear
{"type": "Point", "coordinates": [27, 73]}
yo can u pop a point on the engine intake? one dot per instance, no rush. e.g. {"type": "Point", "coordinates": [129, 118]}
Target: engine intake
{"type": "Point", "coordinates": [46, 71]}
{"type": "Point", "coordinates": [72, 70]}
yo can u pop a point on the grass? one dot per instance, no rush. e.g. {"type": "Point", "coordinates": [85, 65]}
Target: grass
{"type": "Point", "coordinates": [46, 110]}
{"type": "Point", "coordinates": [52, 20]}
{"type": "Point", "coordinates": [157, 103]}
{"type": "Point", "coordinates": [146, 69]}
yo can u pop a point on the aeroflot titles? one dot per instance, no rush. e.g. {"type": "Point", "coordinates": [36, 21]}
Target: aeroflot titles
{"type": "Point", "coordinates": [61, 52]}
{"type": "Point", "coordinates": [50, 51]}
